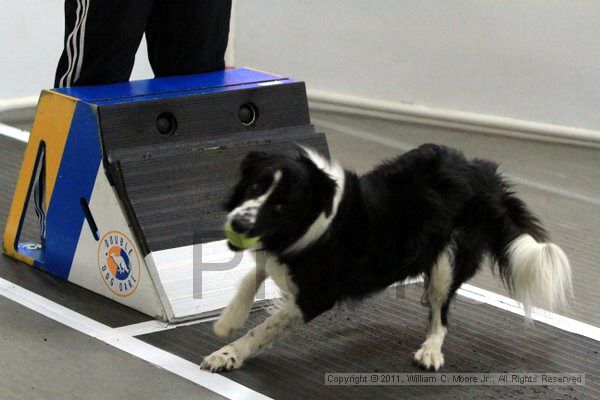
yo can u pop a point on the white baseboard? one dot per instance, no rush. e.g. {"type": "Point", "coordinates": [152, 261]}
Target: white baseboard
{"type": "Point", "coordinates": [357, 105]}
{"type": "Point", "coordinates": [15, 133]}
{"type": "Point", "coordinates": [18, 103]}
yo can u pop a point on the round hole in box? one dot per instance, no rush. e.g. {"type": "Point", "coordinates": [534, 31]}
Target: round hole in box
{"type": "Point", "coordinates": [166, 124]}
{"type": "Point", "coordinates": [248, 114]}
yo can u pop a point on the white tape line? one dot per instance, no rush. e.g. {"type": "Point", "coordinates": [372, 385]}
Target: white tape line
{"type": "Point", "coordinates": [52, 310]}
{"type": "Point", "coordinates": [396, 144]}
{"type": "Point", "coordinates": [186, 369]}
{"type": "Point", "coordinates": [15, 133]}
{"type": "Point", "coordinates": [141, 328]}
{"type": "Point", "coordinates": [144, 328]}
{"type": "Point", "coordinates": [508, 304]}
{"type": "Point", "coordinates": [163, 359]}
{"type": "Point", "coordinates": [466, 290]}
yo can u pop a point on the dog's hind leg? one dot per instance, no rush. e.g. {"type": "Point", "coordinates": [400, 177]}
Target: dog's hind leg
{"type": "Point", "coordinates": [438, 291]}
{"type": "Point", "coordinates": [236, 313]}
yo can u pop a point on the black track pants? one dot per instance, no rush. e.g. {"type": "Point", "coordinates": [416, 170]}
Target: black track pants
{"type": "Point", "coordinates": [102, 37]}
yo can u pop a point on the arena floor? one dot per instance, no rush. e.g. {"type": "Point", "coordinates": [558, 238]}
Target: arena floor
{"type": "Point", "coordinates": [58, 340]}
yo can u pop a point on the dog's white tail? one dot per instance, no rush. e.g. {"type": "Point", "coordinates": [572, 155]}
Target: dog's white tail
{"type": "Point", "coordinates": [540, 274]}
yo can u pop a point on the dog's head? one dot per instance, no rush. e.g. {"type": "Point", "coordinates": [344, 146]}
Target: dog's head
{"type": "Point", "coordinates": [281, 198]}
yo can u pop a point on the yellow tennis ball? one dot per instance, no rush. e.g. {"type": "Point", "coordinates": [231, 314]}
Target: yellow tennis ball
{"type": "Point", "coordinates": [238, 240]}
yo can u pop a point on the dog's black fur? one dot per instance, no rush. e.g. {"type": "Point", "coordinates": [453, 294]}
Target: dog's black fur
{"type": "Point", "coordinates": [328, 235]}
{"type": "Point", "coordinates": [391, 224]}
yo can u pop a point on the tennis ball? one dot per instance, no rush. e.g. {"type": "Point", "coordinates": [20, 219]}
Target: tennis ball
{"type": "Point", "coordinates": [239, 240]}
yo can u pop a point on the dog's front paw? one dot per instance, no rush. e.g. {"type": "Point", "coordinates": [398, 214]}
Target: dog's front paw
{"type": "Point", "coordinates": [223, 360]}
{"type": "Point", "coordinates": [429, 357]}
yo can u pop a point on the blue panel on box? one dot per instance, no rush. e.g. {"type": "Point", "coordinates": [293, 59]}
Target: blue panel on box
{"type": "Point", "coordinates": [76, 177]}
{"type": "Point", "coordinates": [171, 86]}
{"type": "Point", "coordinates": [181, 93]}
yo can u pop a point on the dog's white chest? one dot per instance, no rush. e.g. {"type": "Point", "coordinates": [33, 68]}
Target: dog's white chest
{"type": "Point", "coordinates": [280, 274]}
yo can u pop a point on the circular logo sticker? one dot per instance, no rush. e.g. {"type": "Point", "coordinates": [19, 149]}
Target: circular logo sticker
{"type": "Point", "coordinates": [119, 263]}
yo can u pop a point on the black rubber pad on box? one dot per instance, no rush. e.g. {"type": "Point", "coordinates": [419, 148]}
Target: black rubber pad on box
{"type": "Point", "coordinates": [174, 161]}
{"type": "Point", "coordinates": [176, 193]}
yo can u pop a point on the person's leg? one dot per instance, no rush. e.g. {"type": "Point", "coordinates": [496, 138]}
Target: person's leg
{"type": "Point", "coordinates": [188, 36]}
{"type": "Point", "coordinates": [101, 39]}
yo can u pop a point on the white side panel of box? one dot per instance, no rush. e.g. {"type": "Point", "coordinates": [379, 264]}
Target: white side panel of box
{"type": "Point", "coordinates": [88, 261]}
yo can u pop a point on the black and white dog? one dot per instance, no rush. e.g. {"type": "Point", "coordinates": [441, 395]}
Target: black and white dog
{"type": "Point", "coordinates": [327, 234]}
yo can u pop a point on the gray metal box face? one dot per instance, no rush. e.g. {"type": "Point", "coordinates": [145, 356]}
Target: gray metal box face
{"type": "Point", "coordinates": [173, 186]}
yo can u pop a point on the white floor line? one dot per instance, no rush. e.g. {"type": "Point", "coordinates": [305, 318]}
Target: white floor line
{"type": "Point", "coordinates": [52, 310]}
{"type": "Point", "coordinates": [396, 144]}
{"type": "Point", "coordinates": [219, 384]}
{"type": "Point", "coordinates": [141, 328]}
{"type": "Point", "coordinates": [508, 304]}
{"type": "Point", "coordinates": [163, 359]}
{"type": "Point", "coordinates": [153, 326]}
{"type": "Point", "coordinates": [15, 133]}
{"type": "Point", "coordinates": [472, 292]}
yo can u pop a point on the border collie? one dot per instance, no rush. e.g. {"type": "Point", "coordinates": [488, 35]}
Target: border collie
{"type": "Point", "coordinates": [328, 235]}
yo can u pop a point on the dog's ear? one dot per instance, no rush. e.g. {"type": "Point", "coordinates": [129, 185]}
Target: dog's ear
{"type": "Point", "coordinates": [323, 186]}
{"type": "Point", "coordinates": [248, 167]}
{"type": "Point", "coordinates": [236, 196]}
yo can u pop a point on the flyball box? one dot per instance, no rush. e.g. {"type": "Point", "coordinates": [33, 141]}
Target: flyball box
{"type": "Point", "coordinates": [134, 176]}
